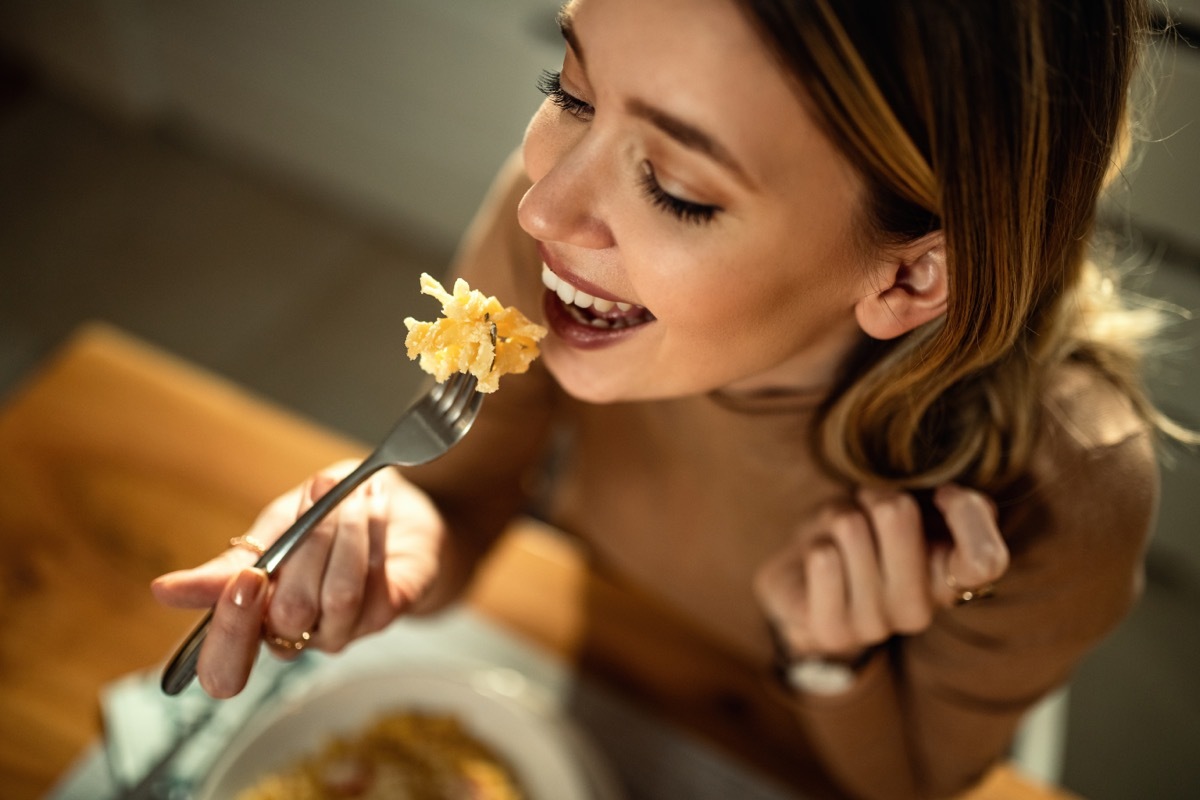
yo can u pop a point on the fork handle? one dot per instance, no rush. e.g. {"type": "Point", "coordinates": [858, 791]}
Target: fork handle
{"type": "Point", "coordinates": [181, 669]}
{"type": "Point", "coordinates": [270, 560]}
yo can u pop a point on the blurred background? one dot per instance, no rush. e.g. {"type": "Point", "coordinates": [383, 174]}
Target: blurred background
{"type": "Point", "coordinates": [255, 186]}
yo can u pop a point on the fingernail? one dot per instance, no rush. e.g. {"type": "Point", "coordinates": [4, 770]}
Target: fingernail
{"type": "Point", "coordinates": [167, 577]}
{"type": "Point", "coordinates": [247, 587]}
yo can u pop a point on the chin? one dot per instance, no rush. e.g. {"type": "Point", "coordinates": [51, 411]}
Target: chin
{"type": "Point", "coordinates": [586, 389]}
{"type": "Point", "coordinates": [587, 383]}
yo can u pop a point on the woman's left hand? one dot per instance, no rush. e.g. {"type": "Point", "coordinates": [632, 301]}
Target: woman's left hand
{"type": "Point", "coordinates": [858, 574]}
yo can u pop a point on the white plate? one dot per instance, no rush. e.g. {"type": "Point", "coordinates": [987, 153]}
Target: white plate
{"type": "Point", "coordinates": [551, 758]}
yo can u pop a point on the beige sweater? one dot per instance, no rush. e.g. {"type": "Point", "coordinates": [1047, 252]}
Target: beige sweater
{"type": "Point", "coordinates": [682, 500]}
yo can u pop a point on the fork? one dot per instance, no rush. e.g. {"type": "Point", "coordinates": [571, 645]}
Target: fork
{"type": "Point", "coordinates": [433, 424]}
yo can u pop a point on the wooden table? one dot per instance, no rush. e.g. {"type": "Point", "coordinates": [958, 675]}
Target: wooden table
{"type": "Point", "coordinates": [119, 462]}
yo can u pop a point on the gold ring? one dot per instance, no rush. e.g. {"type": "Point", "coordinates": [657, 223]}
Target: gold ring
{"type": "Point", "coordinates": [963, 595]}
{"type": "Point", "coordinates": [289, 644]}
{"type": "Point", "coordinates": [249, 542]}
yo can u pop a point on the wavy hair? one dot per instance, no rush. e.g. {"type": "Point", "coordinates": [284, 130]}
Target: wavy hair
{"type": "Point", "coordinates": [998, 124]}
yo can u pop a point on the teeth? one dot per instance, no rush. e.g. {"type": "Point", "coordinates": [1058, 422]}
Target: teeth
{"type": "Point", "coordinates": [604, 323]}
{"type": "Point", "coordinates": [566, 292]}
{"type": "Point", "coordinates": [581, 299]}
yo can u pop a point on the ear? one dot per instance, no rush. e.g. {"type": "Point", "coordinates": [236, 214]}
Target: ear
{"type": "Point", "coordinates": [910, 289]}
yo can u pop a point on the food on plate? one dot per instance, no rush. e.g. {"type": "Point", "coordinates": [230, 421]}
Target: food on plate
{"type": "Point", "coordinates": [476, 335]}
{"type": "Point", "coordinates": [406, 754]}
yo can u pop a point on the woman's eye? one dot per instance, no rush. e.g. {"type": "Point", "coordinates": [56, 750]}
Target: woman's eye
{"type": "Point", "coordinates": [550, 84]}
{"type": "Point", "coordinates": [685, 210]}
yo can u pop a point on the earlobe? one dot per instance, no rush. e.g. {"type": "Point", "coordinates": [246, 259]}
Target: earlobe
{"type": "Point", "coordinates": [912, 290]}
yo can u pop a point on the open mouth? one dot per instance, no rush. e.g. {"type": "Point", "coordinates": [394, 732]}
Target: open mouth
{"type": "Point", "coordinates": [595, 312]}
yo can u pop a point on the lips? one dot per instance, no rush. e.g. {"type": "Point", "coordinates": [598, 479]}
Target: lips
{"type": "Point", "coordinates": [584, 319]}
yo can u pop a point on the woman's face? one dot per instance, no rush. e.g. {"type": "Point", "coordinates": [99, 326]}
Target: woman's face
{"type": "Point", "coordinates": [677, 174]}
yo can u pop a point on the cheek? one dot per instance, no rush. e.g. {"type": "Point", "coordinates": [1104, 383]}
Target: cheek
{"type": "Point", "coordinates": [754, 300]}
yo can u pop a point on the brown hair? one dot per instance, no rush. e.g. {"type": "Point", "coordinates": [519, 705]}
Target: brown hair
{"type": "Point", "coordinates": [996, 123]}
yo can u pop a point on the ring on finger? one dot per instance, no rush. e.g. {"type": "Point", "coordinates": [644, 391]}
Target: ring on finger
{"type": "Point", "coordinates": [249, 542]}
{"type": "Point", "coordinates": [295, 645]}
{"type": "Point", "coordinates": [963, 595]}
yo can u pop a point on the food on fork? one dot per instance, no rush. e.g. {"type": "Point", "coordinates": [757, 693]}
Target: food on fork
{"type": "Point", "coordinates": [476, 335]}
{"type": "Point", "coordinates": [414, 755]}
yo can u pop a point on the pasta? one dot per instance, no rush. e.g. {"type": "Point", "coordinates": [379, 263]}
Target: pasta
{"type": "Point", "coordinates": [476, 335]}
{"type": "Point", "coordinates": [408, 755]}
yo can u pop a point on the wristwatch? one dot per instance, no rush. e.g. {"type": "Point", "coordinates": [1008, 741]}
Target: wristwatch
{"type": "Point", "coordinates": [816, 675]}
{"type": "Point", "coordinates": [819, 676]}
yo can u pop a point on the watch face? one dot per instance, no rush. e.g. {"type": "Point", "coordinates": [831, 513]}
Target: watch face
{"type": "Point", "coordinates": [818, 676]}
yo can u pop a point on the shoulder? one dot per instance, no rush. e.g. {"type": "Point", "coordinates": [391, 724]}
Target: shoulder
{"type": "Point", "coordinates": [1076, 524]}
{"type": "Point", "coordinates": [1094, 444]}
{"type": "Point", "coordinates": [1091, 437]}
{"type": "Point", "coordinates": [1087, 411]}
{"type": "Point", "coordinates": [1086, 508]}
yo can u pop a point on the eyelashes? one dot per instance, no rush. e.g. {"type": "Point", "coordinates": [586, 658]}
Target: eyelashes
{"type": "Point", "coordinates": [684, 210]}
{"type": "Point", "coordinates": [550, 84]}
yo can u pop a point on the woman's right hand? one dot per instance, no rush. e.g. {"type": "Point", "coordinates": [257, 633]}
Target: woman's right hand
{"type": "Point", "coordinates": [370, 560]}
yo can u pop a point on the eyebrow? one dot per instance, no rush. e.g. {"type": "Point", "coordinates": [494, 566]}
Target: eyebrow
{"type": "Point", "coordinates": [567, 27]}
{"type": "Point", "coordinates": [681, 131]}
{"type": "Point", "coordinates": [686, 134]}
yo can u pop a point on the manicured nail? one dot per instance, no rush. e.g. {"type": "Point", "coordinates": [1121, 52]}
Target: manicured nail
{"type": "Point", "coordinates": [247, 587]}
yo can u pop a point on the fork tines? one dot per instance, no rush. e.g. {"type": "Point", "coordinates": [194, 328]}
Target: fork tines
{"type": "Point", "coordinates": [456, 395]}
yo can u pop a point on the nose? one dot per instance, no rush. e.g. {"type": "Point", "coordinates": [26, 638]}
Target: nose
{"type": "Point", "coordinates": [564, 204]}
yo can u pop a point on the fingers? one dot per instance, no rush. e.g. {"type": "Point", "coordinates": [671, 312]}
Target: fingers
{"type": "Point", "coordinates": [341, 592]}
{"type": "Point", "coordinates": [831, 621]}
{"type": "Point", "coordinates": [377, 609]}
{"type": "Point", "coordinates": [978, 556]}
{"type": "Point", "coordinates": [856, 575]}
{"type": "Point", "coordinates": [825, 592]}
{"type": "Point", "coordinates": [853, 614]}
{"type": "Point", "coordinates": [903, 557]}
{"type": "Point", "coordinates": [233, 635]}
{"type": "Point", "coordinates": [201, 587]}
{"type": "Point", "coordinates": [782, 590]}
{"type": "Point", "coordinates": [295, 602]}
{"type": "Point", "coordinates": [337, 586]}
{"type": "Point", "coordinates": [357, 569]}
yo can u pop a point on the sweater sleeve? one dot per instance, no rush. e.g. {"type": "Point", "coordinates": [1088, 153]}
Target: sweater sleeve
{"type": "Point", "coordinates": [931, 713]}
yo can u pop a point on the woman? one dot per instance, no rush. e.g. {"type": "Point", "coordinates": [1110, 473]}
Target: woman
{"type": "Point", "coordinates": [829, 358]}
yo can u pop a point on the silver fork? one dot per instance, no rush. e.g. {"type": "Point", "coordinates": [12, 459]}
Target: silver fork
{"type": "Point", "coordinates": [433, 424]}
